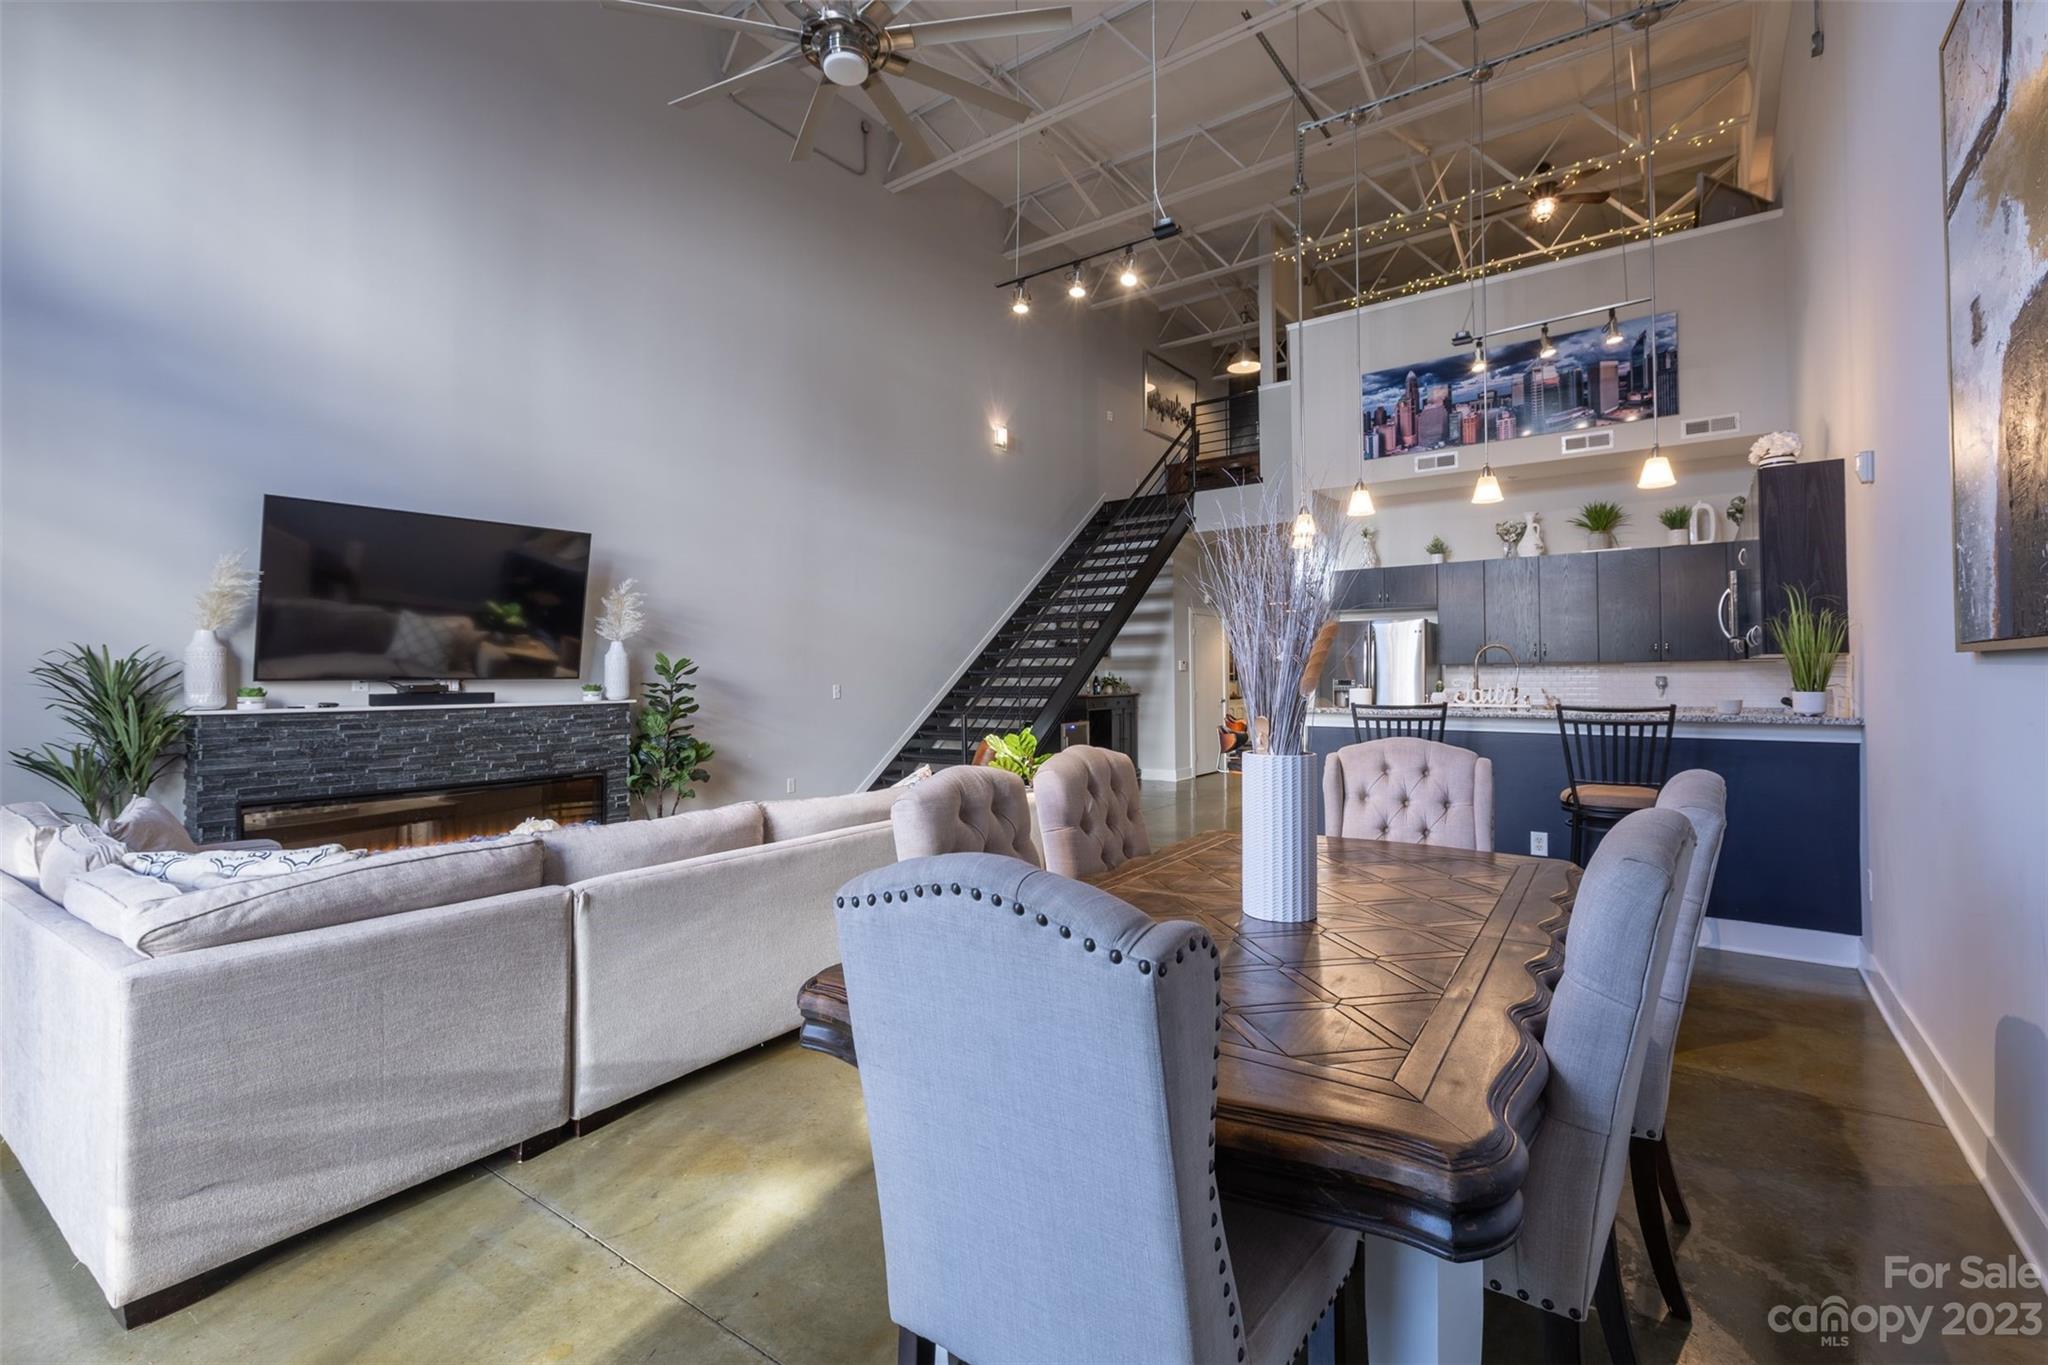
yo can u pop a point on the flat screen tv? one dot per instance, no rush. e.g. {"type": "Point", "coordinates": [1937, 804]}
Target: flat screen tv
{"type": "Point", "coordinates": [366, 592]}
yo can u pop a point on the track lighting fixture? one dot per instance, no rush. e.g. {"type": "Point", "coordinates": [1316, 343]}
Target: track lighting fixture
{"type": "Point", "coordinates": [1479, 358]}
{"type": "Point", "coordinates": [1127, 273]}
{"type": "Point", "coordinates": [1361, 501]}
{"type": "Point", "coordinates": [1488, 487]}
{"type": "Point", "coordinates": [1657, 471]}
{"type": "Point", "coordinates": [999, 436]}
{"type": "Point", "coordinates": [1610, 335]}
{"type": "Point", "coordinates": [1075, 288]}
{"type": "Point", "coordinates": [1545, 347]}
{"type": "Point", "coordinates": [1020, 302]}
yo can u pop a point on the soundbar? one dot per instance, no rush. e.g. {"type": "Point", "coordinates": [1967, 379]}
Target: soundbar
{"type": "Point", "coordinates": [432, 698]}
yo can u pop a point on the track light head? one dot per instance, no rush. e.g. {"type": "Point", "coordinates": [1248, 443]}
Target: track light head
{"type": "Point", "coordinates": [1610, 335]}
{"type": "Point", "coordinates": [1020, 302]}
{"type": "Point", "coordinates": [1479, 358]}
{"type": "Point", "coordinates": [1076, 289]}
{"type": "Point", "coordinates": [1545, 347]}
{"type": "Point", "coordinates": [1127, 273]}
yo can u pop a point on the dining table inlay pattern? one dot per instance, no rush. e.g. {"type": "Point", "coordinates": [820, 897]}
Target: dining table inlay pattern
{"type": "Point", "coordinates": [1381, 1066]}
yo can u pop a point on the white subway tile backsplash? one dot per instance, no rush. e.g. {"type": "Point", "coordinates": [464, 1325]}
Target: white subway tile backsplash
{"type": "Point", "coordinates": [1753, 682]}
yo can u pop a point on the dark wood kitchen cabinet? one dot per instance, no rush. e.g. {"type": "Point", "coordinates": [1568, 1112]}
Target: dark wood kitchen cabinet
{"type": "Point", "coordinates": [1356, 589]}
{"type": "Point", "coordinates": [1801, 535]}
{"type": "Point", "coordinates": [1512, 606]}
{"type": "Point", "coordinates": [1460, 611]}
{"type": "Point", "coordinates": [1400, 587]}
{"type": "Point", "coordinates": [1568, 609]}
{"type": "Point", "coordinates": [1691, 580]}
{"type": "Point", "coordinates": [1631, 609]}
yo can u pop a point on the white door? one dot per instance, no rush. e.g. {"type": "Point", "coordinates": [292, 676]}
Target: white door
{"type": "Point", "coordinates": [1208, 667]}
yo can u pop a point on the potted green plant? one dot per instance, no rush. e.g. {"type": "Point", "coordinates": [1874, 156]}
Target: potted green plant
{"type": "Point", "coordinates": [1811, 641]}
{"type": "Point", "coordinates": [593, 691]}
{"type": "Point", "coordinates": [1436, 549]}
{"type": "Point", "coordinates": [1600, 520]}
{"type": "Point", "coordinates": [1675, 520]}
{"type": "Point", "coordinates": [1016, 753]}
{"type": "Point", "coordinates": [251, 699]}
{"type": "Point", "coordinates": [667, 755]}
{"type": "Point", "coordinates": [128, 730]}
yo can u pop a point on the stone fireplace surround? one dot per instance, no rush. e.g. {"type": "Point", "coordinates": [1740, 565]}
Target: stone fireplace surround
{"type": "Point", "coordinates": [235, 759]}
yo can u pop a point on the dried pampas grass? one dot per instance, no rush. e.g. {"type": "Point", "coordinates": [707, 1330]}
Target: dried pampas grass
{"type": "Point", "coordinates": [1275, 604]}
{"type": "Point", "coordinates": [227, 595]}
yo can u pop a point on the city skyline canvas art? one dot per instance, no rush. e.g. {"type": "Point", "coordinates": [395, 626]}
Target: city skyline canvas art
{"type": "Point", "coordinates": [1440, 403]}
{"type": "Point", "coordinates": [1994, 110]}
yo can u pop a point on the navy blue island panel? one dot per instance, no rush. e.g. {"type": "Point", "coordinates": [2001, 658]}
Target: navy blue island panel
{"type": "Point", "coordinates": [1792, 852]}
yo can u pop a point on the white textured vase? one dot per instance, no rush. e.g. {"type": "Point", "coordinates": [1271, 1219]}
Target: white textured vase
{"type": "Point", "coordinates": [206, 672]}
{"type": "Point", "coordinates": [1809, 703]}
{"type": "Point", "coordinates": [1280, 837]}
{"type": "Point", "coordinates": [616, 688]}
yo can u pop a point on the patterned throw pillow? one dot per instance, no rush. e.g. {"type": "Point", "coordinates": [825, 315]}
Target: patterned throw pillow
{"type": "Point", "coordinates": [197, 871]}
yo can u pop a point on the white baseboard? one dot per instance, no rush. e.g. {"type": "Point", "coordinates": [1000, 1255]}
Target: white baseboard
{"type": "Point", "coordinates": [2019, 1207]}
{"type": "Point", "coordinates": [1165, 774]}
{"type": "Point", "coordinates": [1777, 940]}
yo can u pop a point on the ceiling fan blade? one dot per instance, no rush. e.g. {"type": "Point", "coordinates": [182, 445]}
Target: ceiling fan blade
{"type": "Point", "coordinates": [975, 27]}
{"type": "Point", "coordinates": [1584, 196]}
{"type": "Point", "coordinates": [948, 84]}
{"type": "Point", "coordinates": [814, 121]}
{"type": "Point", "coordinates": [891, 109]}
{"type": "Point", "coordinates": [734, 83]}
{"type": "Point", "coordinates": [753, 26]}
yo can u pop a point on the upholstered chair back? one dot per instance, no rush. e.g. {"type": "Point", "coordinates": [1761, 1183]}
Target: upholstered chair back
{"type": "Point", "coordinates": [1596, 1037]}
{"type": "Point", "coordinates": [965, 810]}
{"type": "Point", "coordinates": [1701, 797]}
{"type": "Point", "coordinates": [1088, 814]}
{"type": "Point", "coordinates": [1409, 791]}
{"type": "Point", "coordinates": [1037, 1059]}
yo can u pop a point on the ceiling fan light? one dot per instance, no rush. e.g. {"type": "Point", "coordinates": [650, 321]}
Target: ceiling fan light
{"type": "Point", "coordinates": [1610, 335]}
{"type": "Point", "coordinates": [1020, 302]}
{"type": "Point", "coordinates": [1488, 488]}
{"type": "Point", "coordinates": [1657, 472]}
{"type": "Point", "coordinates": [1544, 209]}
{"type": "Point", "coordinates": [1545, 347]}
{"type": "Point", "coordinates": [1075, 288]}
{"type": "Point", "coordinates": [841, 59]}
{"type": "Point", "coordinates": [1361, 501]}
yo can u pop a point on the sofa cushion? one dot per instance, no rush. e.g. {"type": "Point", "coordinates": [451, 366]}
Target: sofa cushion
{"type": "Point", "coordinates": [72, 852]}
{"type": "Point", "coordinates": [581, 852]}
{"type": "Point", "coordinates": [136, 909]}
{"type": "Point", "coordinates": [149, 826]}
{"type": "Point", "coordinates": [26, 829]}
{"type": "Point", "coordinates": [818, 814]}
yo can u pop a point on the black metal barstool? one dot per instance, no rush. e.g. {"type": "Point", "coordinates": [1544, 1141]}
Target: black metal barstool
{"type": "Point", "coordinates": [1615, 761]}
{"type": "Point", "coordinates": [1399, 722]}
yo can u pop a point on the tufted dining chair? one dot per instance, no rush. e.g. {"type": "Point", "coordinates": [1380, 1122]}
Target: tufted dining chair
{"type": "Point", "coordinates": [1063, 1205]}
{"type": "Point", "coordinates": [1702, 797]}
{"type": "Point", "coordinates": [1409, 791]}
{"type": "Point", "coordinates": [1596, 1038]}
{"type": "Point", "coordinates": [965, 810]}
{"type": "Point", "coordinates": [1088, 814]}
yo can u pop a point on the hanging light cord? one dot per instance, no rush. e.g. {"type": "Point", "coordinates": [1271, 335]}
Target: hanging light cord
{"type": "Point", "coordinates": [1152, 13]}
{"type": "Point", "coordinates": [1650, 174]}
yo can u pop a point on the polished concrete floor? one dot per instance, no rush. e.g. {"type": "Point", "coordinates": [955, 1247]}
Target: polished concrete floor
{"type": "Point", "coordinates": [732, 1215]}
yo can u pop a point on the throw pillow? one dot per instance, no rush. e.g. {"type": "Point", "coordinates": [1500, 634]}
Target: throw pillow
{"type": "Point", "coordinates": [217, 867]}
{"type": "Point", "coordinates": [150, 826]}
{"type": "Point", "coordinates": [914, 776]}
{"type": "Point", "coordinates": [74, 851]}
{"type": "Point", "coordinates": [26, 829]}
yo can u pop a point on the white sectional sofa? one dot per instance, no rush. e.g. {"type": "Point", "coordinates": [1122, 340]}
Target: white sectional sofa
{"type": "Point", "coordinates": [188, 1079]}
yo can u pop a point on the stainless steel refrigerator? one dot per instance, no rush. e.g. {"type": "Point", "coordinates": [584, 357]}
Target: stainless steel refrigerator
{"type": "Point", "coordinates": [1397, 659]}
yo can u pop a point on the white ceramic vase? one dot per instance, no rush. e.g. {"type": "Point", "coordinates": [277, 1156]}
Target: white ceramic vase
{"type": "Point", "coordinates": [206, 672]}
{"type": "Point", "coordinates": [1436, 559]}
{"type": "Point", "coordinates": [1280, 837]}
{"type": "Point", "coordinates": [1809, 703]}
{"type": "Point", "coordinates": [616, 687]}
{"type": "Point", "coordinates": [1677, 537]}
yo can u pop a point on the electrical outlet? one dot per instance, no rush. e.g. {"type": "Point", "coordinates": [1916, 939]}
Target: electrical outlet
{"type": "Point", "coordinates": [835, 691]}
{"type": "Point", "coordinates": [1866, 466]}
{"type": "Point", "coordinates": [359, 685]}
{"type": "Point", "coordinates": [1109, 415]}
{"type": "Point", "coordinates": [789, 787]}
{"type": "Point", "coordinates": [1539, 843]}
{"type": "Point", "coordinates": [1870, 885]}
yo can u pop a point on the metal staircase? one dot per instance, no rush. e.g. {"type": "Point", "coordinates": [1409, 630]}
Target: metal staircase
{"type": "Point", "coordinates": [1032, 669]}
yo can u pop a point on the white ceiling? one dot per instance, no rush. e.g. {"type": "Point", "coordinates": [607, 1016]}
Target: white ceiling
{"type": "Point", "coordinates": [1227, 122]}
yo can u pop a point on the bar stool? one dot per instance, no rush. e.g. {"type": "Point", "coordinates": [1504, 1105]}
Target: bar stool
{"type": "Point", "coordinates": [1615, 761]}
{"type": "Point", "coordinates": [1398, 722]}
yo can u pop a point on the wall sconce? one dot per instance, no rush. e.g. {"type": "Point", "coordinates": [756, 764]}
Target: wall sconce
{"type": "Point", "coordinates": [999, 436]}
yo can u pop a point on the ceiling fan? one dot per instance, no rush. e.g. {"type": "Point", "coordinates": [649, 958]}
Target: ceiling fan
{"type": "Point", "coordinates": [851, 43]}
{"type": "Point", "coordinates": [1546, 194]}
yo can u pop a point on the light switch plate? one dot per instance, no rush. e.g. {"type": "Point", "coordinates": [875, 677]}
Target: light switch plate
{"type": "Point", "coordinates": [1539, 843]}
{"type": "Point", "coordinates": [1866, 466]}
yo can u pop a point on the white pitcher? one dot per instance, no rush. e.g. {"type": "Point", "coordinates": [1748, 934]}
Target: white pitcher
{"type": "Point", "coordinates": [1704, 526]}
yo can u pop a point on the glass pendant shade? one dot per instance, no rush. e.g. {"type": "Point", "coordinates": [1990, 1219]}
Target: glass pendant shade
{"type": "Point", "coordinates": [1488, 487]}
{"type": "Point", "coordinates": [1657, 472]}
{"type": "Point", "coordinates": [1361, 501]}
{"type": "Point", "coordinates": [1304, 530]}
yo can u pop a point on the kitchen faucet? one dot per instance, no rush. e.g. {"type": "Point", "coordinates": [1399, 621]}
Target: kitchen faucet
{"type": "Point", "coordinates": [1512, 658]}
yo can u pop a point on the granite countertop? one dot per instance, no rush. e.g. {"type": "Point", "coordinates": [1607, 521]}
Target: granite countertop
{"type": "Point", "coordinates": [1687, 715]}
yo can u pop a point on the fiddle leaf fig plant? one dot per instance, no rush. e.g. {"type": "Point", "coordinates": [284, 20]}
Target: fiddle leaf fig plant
{"type": "Point", "coordinates": [1017, 753]}
{"type": "Point", "coordinates": [667, 756]}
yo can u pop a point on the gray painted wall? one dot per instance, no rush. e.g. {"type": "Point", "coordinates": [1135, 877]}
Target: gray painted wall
{"type": "Point", "coordinates": [463, 259]}
{"type": "Point", "coordinates": [1957, 920]}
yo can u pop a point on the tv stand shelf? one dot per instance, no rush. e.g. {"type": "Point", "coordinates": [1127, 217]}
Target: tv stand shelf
{"type": "Point", "coordinates": [363, 708]}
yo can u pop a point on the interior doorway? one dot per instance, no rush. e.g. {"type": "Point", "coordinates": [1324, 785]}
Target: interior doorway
{"type": "Point", "coordinates": [1209, 667]}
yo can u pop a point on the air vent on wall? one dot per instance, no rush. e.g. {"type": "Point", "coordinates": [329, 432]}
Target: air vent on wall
{"type": "Point", "coordinates": [1699, 428]}
{"type": "Point", "coordinates": [1580, 442]}
{"type": "Point", "coordinates": [1441, 459]}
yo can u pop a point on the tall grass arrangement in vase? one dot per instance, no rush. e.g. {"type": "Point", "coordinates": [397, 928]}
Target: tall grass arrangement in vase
{"type": "Point", "coordinates": [1274, 599]}
{"type": "Point", "coordinates": [1811, 641]}
{"type": "Point", "coordinates": [128, 728]}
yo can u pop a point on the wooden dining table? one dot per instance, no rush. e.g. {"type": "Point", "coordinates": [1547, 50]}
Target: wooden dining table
{"type": "Point", "coordinates": [1382, 1066]}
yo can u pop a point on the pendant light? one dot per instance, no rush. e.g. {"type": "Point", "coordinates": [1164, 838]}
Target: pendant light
{"type": "Point", "coordinates": [1610, 335]}
{"type": "Point", "coordinates": [1075, 288]}
{"type": "Point", "coordinates": [1479, 358]}
{"type": "Point", "coordinates": [1020, 302]}
{"type": "Point", "coordinates": [1657, 471]}
{"type": "Point", "coordinates": [1361, 504]}
{"type": "Point", "coordinates": [1361, 501]}
{"type": "Point", "coordinates": [1304, 529]}
{"type": "Point", "coordinates": [1546, 349]}
{"type": "Point", "coordinates": [1244, 358]}
{"type": "Point", "coordinates": [1488, 487]}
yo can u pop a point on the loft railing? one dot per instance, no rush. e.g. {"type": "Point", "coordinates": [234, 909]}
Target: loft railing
{"type": "Point", "coordinates": [1225, 442]}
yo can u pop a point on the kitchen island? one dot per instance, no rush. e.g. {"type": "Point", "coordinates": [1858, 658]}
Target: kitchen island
{"type": "Point", "coordinates": [1792, 853]}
